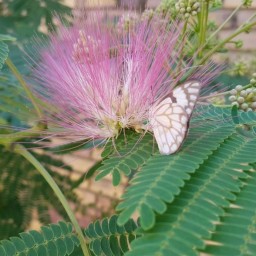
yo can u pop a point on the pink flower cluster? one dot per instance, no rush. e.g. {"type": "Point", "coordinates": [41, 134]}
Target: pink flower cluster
{"type": "Point", "coordinates": [98, 80]}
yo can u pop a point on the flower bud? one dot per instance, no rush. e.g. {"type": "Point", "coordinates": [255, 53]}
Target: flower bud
{"type": "Point", "coordinates": [195, 5]}
{"type": "Point", "coordinates": [239, 88]}
{"type": "Point", "coordinates": [243, 93]}
{"type": "Point", "coordinates": [233, 92]}
{"type": "Point", "coordinates": [235, 104]}
{"type": "Point", "coordinates": [182, 10]}
{"type": "Point", "coordinates": [253, 105]}
{"type": "Point", "coordinates": [249, 90]}
{"type": "Point", "coordinates": [253, 81]}
{"type": "Point", "coordinates": [240, 99]}
{"type": "Point", "coordinates": [239, 44]}
{"type": "Point", "coordinates": [232, 98]}
{"type": "Point", "coordinates": [244, 106]}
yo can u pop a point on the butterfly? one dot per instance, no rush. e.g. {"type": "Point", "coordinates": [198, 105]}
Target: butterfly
{"type": "Point", "coordinates": [170, 118]}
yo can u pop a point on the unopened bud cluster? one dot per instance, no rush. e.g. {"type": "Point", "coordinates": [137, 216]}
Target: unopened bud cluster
{"type": "Point", "coordinates": [244, 99]}
{"type": "Point", "coordinates": [126, 22]}
{"type": "Point", "coordinates": [188, 7]}
{"type": "Point", "coordinates": [148, 14]}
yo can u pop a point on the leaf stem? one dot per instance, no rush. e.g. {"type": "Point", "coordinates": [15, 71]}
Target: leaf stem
{"type": "Point", "coordinates": [203, 20]}
{"type": "Point", "coordinates": [223, 42]}
{"type": "Point", "coordinates": [224, 23]}
{"type": "Point", "coordinates": [27, 155]}
{"type": "Point", "coordinates": [19, 77]}
{"type": "Point", "coordinates": [7, 139]}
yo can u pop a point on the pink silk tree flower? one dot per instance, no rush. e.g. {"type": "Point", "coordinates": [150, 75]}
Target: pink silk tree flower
{"type": "Point", "coordinates": [97, 80]}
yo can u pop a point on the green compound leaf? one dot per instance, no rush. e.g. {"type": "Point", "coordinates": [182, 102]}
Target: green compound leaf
{"type": "Point", "coordinates": [235, 234]}
{"type": "Point", "coordinates": [193, 215]}
{"type": "Point", "coordinates": [4, 51]}
{"type": "Point", "coordinates": [133, 151]}
{"type": "Point", "coordinates": [107, 238]}
{"type": "Point", "coordinates": [162, 177]}
{"type": "Point", "coordinates": [55, 239]}
{"type": "Point", "coordinates": [7, 38]}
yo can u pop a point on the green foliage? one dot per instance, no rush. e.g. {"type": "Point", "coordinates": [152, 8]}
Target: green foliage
{"type": "Point", "coordinates": [161, 178]}
{"type": "Point", "coordinates": [54, 239]}
{"type": "Point", "coordinates": [192, 216]}
{"type": "Point", "coordinates": [3, 53]}
{"type": "Point", "coordinates": [108, 238]}
{"type": "Point", "coordinates": [4, 50]}
{"type": "Point", "coordinates": [23, 18]}
{"type": "Point", "coordinates": [222, 117]}
{"type": "Point", "coordinates": [22, 189]}
{"type": "Point", "coordinates": [132, 152]}
{"type": "Point", "coordinates": [235, 233]}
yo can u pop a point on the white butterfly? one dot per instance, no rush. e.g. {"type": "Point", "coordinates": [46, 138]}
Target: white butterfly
{"type": "Point", "coordinates": [170, 118]}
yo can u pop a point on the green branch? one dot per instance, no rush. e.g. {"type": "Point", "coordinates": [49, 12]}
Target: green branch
{"type": "Point", "coordinates": [203, 21]}
{"type": "Point", "coordinates": [19, 77]}
{"type": "Point", "coordinates": [19, 149]}
{"type": "Point", "coordinates": [224, 23]}
{"type": "Point", "coordinates": [225, 41]}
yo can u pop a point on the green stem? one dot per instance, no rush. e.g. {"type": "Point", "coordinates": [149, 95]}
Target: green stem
{"type": "Point", "coordinates": [225, 22]}
{"type": "Point", "coordinates": [7, 139]}
{"type": "Point", "coordinates": [27, 155]}
{"type": "Point", "coordinates": [203, 21]}
{"type": "Point", "coordinates": [19, 77]}
{"type": "Point", "coordinates": [228, 39]}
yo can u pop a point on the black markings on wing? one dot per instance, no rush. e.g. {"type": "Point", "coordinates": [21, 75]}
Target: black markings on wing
{"type": "Point", "coordinates": [186, 95]}
{"type": "Point", "coordinates": [169, 124]}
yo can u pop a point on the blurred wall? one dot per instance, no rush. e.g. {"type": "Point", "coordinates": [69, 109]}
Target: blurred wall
{"type": "Point", "coordinates": [218, 16]}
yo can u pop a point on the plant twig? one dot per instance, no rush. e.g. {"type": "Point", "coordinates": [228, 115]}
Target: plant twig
{"type": "Point", "coordinates": [224, 23]}
{"type": "Point", "coordinates": [223, 42]}
{"type": "Point", "coordinates": [19, 77]}
{"type": "Point", "coordinates": [27, 155]}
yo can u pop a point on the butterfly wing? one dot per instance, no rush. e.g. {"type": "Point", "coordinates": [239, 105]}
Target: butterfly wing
{"type": "Point", "coordinates": [187, 94]}
{"type": "Point", "coordinates": [170, 117]}
{"type": "Point", "coordinates": [169, 125]}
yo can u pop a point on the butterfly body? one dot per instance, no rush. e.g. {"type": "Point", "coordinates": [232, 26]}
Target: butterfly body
{"type": "Point", "coordinates": [170, 117]}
